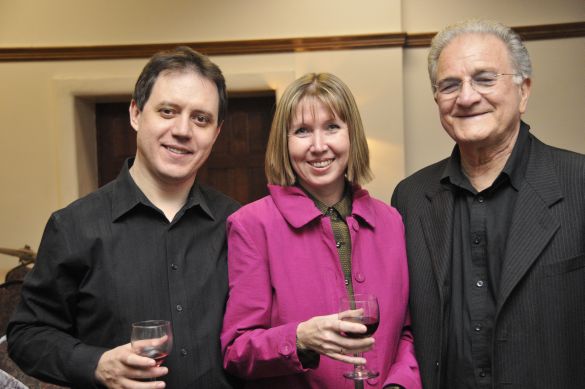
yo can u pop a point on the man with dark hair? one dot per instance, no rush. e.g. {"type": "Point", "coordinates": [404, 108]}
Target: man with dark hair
{"type": "Point", "coordinates": [495, 233]}
{"type": "Point", "coordinates": [149, 245]}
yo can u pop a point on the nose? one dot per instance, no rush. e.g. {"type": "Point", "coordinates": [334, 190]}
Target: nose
{"type": "Point", "coordinates": [467, 94]}
{"type": "Point", "coordinates": [182, 127]}
{"type": "Point", "coordinates": [319, 143]}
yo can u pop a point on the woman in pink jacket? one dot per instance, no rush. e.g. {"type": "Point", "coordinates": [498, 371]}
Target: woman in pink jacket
{"type": "Point", "coordinates": [317, 237]}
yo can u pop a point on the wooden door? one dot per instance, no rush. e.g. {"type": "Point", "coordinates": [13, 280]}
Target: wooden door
{"type": "Point", "coordinates": [115, 139]}
{"type": "Point", "coordinates": [236, 164]}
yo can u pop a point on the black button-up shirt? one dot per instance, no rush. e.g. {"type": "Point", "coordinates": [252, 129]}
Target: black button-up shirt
{"type": "Point", "coordinates": [481, 222]}
{"type": "Point", "coordinates": [112, 258]}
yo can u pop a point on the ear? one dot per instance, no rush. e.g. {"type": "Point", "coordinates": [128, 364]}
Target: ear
{"type": "Point", "coordinates": [524, 94]}
{"type": "Point", "coordinates": [134, 114]}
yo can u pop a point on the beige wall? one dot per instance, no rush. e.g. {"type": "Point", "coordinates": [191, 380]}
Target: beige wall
{"type": "Point", "coordinates": [97, 22]}
{"type": "Point", "coordinates": [47, 152]}
{"type": "Point", "coordinates": [425, 15]}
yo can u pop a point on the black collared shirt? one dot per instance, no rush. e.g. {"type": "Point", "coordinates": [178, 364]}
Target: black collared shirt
{"type": "Point", "coordinates": [112, 258]}
{"type": "Point", "coordinates": [481, 222]}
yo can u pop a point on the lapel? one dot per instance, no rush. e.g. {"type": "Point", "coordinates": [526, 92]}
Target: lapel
{"type": "Point", "coordinates": [437, 225]}
{"type": "Point", "coordinates": [533, 224]}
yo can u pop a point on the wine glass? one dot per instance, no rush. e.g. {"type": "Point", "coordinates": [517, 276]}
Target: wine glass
{"type": "Point", "coordinates": [361, 308]}
{"type": "Point", "coordinates": [152, 339]}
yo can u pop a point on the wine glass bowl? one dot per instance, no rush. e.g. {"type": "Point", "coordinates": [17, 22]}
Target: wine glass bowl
{"type": "Point", "coordinates": [152, 339]}
{"type": "Point", "coordinates": [363, 309]}
{"type": "Point", "coordinates": [370, 322]}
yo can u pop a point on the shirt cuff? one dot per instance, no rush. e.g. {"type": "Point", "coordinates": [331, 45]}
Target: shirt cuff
{"type": "Point", "coordinates": [82, 366]}
{"type": "Point", "coordinates": [309, 359]}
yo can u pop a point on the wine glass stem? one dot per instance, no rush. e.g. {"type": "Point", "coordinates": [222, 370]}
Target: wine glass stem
{"type": "Point", "coordinates": [359, 369]}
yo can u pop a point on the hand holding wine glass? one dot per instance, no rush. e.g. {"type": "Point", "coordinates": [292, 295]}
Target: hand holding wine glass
{"type": "Point", "coordinates": [361, 308]}
{"type": "Point", "coordinates": [152, 339]}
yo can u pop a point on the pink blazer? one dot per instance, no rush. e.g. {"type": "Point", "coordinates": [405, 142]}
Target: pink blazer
{"type": "Point", "coordinates": [284, 269]}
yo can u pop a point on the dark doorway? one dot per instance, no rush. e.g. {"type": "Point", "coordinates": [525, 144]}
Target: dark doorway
{"type": "Point", "coordinates": [115, 139]}
{"type": "Point", "coordinates": [236, 164]}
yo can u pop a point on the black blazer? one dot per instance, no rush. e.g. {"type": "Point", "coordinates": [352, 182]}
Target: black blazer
{"type": "Point", "coordinates": [539, 329]}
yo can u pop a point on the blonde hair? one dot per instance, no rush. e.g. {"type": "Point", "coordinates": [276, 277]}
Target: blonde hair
{"type": "Point", "coordinates": [334, 94]}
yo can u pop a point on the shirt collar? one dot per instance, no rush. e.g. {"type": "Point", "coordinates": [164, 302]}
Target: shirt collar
{"type": "Point", "coordinates": [516, 165]}
{"type": "Point", "coordinates": [197, 198]}
{"type": "Point", "coordinates": [343, 206]}
{"type": "Point", "coordinates": [127, 195]}
{"type": "Point", "coordinates": [452, 175]}
{"type": "Point", "coordinates": [514, 169]}
{"type": "Point", "coordinates": [298, 209]}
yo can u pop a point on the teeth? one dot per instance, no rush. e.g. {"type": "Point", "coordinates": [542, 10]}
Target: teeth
{"type": "Point", "coordinates": [177, 151]}
{"type": "Point", "coordinates": [321, 163]}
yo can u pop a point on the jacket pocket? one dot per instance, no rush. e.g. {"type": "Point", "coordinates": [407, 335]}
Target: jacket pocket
{"type": "Point", "coordinates": [565, 266]}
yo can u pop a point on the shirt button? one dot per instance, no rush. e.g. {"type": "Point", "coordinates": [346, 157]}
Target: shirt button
{"type": "Point", "coordinates": [179, 307]}
{"type": "Point", "coordinates": [479, 283]}
{"type": "Point", "coordinates": [184, 352]}
{"type": "Point", "coordinates": [338, 244]}
{"type": "Point", "coordinates": [285, 350]}
{"type": "Point", "coordinates": [476, 240]}
{"type": "Point", "coordinates": [174, 267]}
{"type": "Point", "coordinates": [477, 327]}
{"type": "Point", "coordinates": [480, 199]}
{"type": "Point", "coordinates": [482, 373]}
{"type": "Point", "coordinates": [346, 282]}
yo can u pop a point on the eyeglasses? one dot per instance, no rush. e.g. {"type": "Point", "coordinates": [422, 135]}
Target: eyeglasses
{"type": "Point", "coordinates": [482, 83]}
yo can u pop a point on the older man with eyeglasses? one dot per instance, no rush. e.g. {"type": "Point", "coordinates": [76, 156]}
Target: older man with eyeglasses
{"type": "Point", "coordinates": [496, 232]}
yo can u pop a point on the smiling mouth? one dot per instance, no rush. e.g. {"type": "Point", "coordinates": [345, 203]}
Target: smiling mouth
{"type": "Point", "coordinates": [321, 164]}
{"type": "Point", "coordinates": [177, 151]}
{"type": "Point", "coordinates": [471, 115]}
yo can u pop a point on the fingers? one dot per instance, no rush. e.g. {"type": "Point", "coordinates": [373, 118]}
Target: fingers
{"type": "Point", "coordinates": [121, 368]}
{"type": "Point", "coordinates": [140, 374]}
{"type": "Point", "coordinates": [348, 346]}
{"type": "Point", "coordinates": [327, 335]}
{"type": "Point", "coordinates": [353, 327]}
{"type": "Point", "coordinates": [344, 355]}
{"type": "Point", "coordinates": [139, 361]}
{"type": "Point", "coordinates": [145, 375]}
{"type": "Point", "coordinates": [351, 313]}
{"type": "Point", "coordinates": [146, 344]}
{"type": "Point", "coordinates": [348, 358]}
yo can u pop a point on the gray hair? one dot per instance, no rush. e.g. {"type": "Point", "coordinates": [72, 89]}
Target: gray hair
{"type": "Point", "coordinates": [518, 54]}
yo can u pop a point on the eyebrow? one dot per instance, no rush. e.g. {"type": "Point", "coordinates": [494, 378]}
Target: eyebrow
{"type": "Point", "coordinates": [475, 73]}
{"type": "Point", "coordinates": [211, 115]}
{"type": "Point", "coordinates": [175, 105]}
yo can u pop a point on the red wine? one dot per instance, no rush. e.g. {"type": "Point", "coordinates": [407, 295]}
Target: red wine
{"type": "Point", "coordinates": [158, 356]}
{"type": "Point", "coordinates": [371, 324]}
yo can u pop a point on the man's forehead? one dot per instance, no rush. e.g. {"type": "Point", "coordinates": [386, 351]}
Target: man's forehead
{"type": "Point", "coordinates": [197, 83]}
{"type": "Point", "coordinates": [474, 52]}
{"type": "Point", "coordinates": [172, 73]}
{"type": "Point", "coordinates": [472, 42]}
